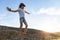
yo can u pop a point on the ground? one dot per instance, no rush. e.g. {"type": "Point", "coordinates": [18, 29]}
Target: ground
{"type": "Point", "coordinates": [9, 33]}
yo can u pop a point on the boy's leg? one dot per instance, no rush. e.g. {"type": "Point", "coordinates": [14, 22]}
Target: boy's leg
{"type": "Point", "coordinates": [20, 31]}
{"type": "Point", "coordinates": [21, 26]}
{"type": "Point", "coordinates": [26, 25]}
{"type": "Point", "coordinates": [26, 29]}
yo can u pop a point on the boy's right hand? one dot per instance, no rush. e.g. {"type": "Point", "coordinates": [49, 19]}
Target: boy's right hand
{"type": "Point", "coordinates": [9, 9]}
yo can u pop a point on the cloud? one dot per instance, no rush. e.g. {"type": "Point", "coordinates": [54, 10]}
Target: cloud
{"type": "Point", "coordinates": [9, 20]}
{"type": "Point", "coordinates": [2, 16]}
{"type": "Point", "coordinates": [47, 23]}
{"type": "Point", "coordinates": [49, 11]}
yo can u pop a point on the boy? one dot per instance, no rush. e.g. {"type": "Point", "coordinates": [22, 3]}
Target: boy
{"type": "Point", "coordinates": [22, 16]}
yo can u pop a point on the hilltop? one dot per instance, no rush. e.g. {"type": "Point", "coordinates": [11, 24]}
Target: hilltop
{"type": "Point", "coordinates": [10, 33]}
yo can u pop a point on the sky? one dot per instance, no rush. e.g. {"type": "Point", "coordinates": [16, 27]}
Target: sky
{"type": "Point", "coordinates": [44, 14]}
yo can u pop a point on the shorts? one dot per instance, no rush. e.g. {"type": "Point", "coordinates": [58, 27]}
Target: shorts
{"type": "Point", "coordinates": [22, 20]}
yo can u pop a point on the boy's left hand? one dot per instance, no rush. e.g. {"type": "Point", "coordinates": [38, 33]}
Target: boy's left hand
{"type": "Point", "coordinates": [28, 13]}
{"type": "Point", "coordinates": [9, 9]}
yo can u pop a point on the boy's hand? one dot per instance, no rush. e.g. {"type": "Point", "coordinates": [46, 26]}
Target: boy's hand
{"type": "Point", "coordinates": [9, 9]}
{"type": "Point", "coordinates": [28, 13]}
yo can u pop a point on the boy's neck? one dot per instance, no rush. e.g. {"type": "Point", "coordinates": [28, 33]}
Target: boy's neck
{"type": "Point", "coordinates": [22, 8]}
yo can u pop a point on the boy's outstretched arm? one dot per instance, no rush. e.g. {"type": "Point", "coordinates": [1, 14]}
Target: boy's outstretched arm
{"type": "Point", "coordinates": [27, 12]}
{"type": "Point", "coordinates": [9, 9]}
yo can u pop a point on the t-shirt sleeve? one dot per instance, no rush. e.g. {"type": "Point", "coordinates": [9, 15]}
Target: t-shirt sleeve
{"type": "Point", "coordinates": [18, 9]}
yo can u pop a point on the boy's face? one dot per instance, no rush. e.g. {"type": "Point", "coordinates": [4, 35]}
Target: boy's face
{"type": "Point", "coordinates": [22, 7]}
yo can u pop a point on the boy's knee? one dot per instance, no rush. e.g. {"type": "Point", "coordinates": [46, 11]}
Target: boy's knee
{"type": "Point", "coordinates": [26, 25]}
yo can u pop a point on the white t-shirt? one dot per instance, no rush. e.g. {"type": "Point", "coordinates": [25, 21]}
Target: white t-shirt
{"type": "Point", "coordinates": [21, 12]}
